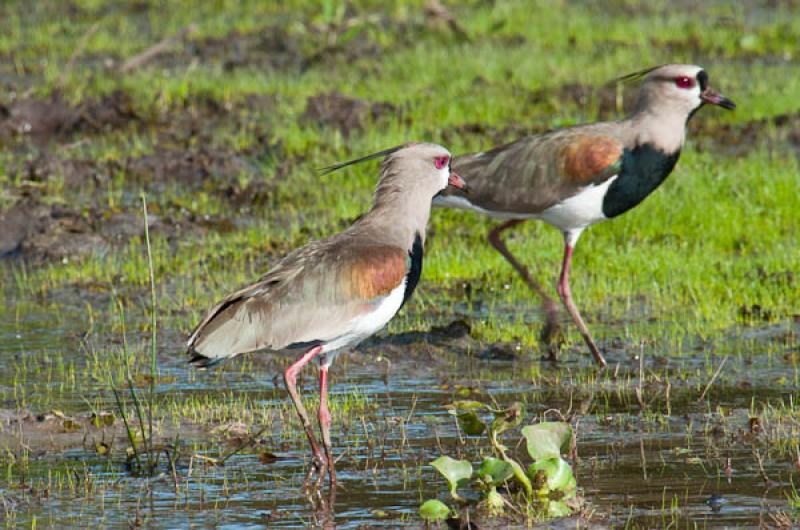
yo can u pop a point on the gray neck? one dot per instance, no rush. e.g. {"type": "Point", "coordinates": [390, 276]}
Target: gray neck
{"type": "Point", "coordinates": [399, 221]}
{"type": "Point", "coordinates": [662, 128]}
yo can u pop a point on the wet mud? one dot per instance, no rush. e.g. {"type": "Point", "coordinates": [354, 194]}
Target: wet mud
{"type": "Point", "coordinates": [54, 118]}
{"type": "Point", "coordinates": [342, 112]}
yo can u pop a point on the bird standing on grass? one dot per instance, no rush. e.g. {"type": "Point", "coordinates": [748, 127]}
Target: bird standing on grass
{"type": "Point", "coordinates": [575, 177]}
{"type": "Point", "coordinates": [331, 294]}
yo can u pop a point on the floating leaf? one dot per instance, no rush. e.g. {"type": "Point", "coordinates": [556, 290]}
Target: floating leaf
{"type": "Point", "coordinates": [434, 510]}
{"type": "Point", "coordinates": [494, 471]}
{"type": "Point", "coordinates": [557, 472]}
{"type": "Point", "coordinates": [467, 404]}
{"type": "Point", "coordinates": [508, 418]}
{"type": "Point", "coordinates": [455, 471]}
{"type": "Point", "coordinates": [470, 423]}
{"type": "Point", "coordinates": [546, 440]}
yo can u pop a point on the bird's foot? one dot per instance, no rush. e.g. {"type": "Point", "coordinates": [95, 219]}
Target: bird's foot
{"type": "Point", "coordinates": [552, 337]}
{"type": "Point", "coordinates": [318, 467]}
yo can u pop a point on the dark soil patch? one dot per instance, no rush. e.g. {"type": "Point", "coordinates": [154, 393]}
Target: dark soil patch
{"type": "Point", "coordinates": [76, 173]}
{"type": "Point", "coordinates": [343, 112]}
{"type": "Point", "coordinates": [272, 47]}
{"type": "Point", "coordinates": [190, 168]}
{"type": "Point", "coordinates": [54, 118]}
{"type": "Point", "coordinates": [277, 48]}
{"type": "Point", "coordinates": [49, 432]}
{"type": "Point", "coordinates": [743, 137]}
{"type": "Point", "coordinates": [309, 44]}
{"type": "Point", "coordinates": [42, 231]}
{"type": "Point", "coordinates": [203, 121]}
{"type": "Point", "coordinates": [38, 231]}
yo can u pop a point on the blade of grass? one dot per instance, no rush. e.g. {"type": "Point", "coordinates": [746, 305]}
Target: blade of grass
{"type": "Point", "coordinates": [153, 309]}
{"type": "Point", "coordinates": [128, 430]}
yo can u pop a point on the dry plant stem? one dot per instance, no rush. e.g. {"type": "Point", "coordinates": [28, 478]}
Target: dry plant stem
{"type": "Point", "coordinates": [153, 310]}
{"type": "Point", "coordinates": [713, 378]}
{"type": "Point", "coordinates": [155, 50]}
{"type": "Point", "coordinates": [760, 461]}
{"type": "Point", "coordinates": [79, 49]}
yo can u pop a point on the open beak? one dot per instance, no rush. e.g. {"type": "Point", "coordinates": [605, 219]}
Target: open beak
{"type": "Point", "coordinates": [457, 182]}
{"type": "Point", "coordinates": [712, 97]}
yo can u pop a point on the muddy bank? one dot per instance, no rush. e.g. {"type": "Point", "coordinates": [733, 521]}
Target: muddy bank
{"type": "Point", "coordinates": [36, 231]}
{"type": "Point", "coordinates": [55, 118]}
{"type": "Point", "coordinates": [82, 221]}
{"type": "Point", "coordinates": [345, 113]}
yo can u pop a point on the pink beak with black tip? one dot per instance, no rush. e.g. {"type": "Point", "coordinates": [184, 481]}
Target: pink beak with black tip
{"type": "Point", "coordinates": [712, 97]}
{"type": "Point", "coordinates": [457, 182]}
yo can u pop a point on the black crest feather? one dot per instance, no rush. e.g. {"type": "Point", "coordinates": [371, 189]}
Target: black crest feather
{"type": "Point", "coordinates": [633, 76]}
{"type": "Point", "coordinates": [379, 154]}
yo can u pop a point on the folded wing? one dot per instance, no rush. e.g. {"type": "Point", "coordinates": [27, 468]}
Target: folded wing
{"type": "Point", "coordinates": [312, 296]}
{"type": "Point", "coordinates": [536, 172]}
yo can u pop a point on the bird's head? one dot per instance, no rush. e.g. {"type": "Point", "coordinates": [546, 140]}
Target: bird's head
{"type": "Point", "coordinates": [418, 170]}
{"type": "Point", "coordinates": [682, 88]}
{"type": "Point", "coordinates": [421, 169]}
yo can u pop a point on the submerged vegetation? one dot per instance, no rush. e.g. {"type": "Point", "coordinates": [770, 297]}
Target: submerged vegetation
{"type": "Point", "coordinates": [217, 114]}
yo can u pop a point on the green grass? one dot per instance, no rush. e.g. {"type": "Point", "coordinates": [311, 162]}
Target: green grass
{"type": "Point", "coordinates": [720, 235]}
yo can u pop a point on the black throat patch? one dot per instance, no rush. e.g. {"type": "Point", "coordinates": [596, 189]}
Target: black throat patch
{"type": "Point", "coordinates": [415, 271]}
{"type": "Point", "coordinates": [643, 169]}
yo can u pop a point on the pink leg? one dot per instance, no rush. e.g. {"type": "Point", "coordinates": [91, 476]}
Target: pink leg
{"type": "Point", "coordinates": [551, 332]}
{"type": "Point", "coordinates": [325, 422]}
{"type": "Point", "coordinates": [566, 297]}
{"type": "Point", "coordinates": [290, 378]}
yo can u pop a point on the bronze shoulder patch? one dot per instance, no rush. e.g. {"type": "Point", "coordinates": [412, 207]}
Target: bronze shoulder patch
{"type": "Point", "coordinates": [377, 271]}
{"type": "Point", "coordinates": [587, 157]}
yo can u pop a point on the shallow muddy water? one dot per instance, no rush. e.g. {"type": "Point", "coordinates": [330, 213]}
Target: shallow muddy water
{"type": "Point", "coordinates": [680, 461]}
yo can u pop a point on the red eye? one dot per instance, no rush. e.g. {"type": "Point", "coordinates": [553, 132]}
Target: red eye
{"type": "Point", "coordinates": [684, 82]}
{"type": "Point", "coordinates": [441, 161]}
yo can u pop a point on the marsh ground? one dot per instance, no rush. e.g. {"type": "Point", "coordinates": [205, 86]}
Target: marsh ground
{"type": "Point", "coordinates": [222, 131]}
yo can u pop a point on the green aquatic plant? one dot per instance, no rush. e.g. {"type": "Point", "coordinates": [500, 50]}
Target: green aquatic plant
{"type": "Point", "coordinates": [457, 472]}
{"type": "Point", "coordinates": [434, 510]}
{"type": "Point", "coordinates": [544, 489]}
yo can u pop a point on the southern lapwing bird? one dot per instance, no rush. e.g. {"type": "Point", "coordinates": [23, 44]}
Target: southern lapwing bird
{"type": "Point", "coordinates": [331, 294]}
{"type": "Point", "coordinates": [575, 177]}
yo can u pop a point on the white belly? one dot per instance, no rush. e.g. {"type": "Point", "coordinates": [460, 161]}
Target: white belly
{"type": "Point", "coordinates": [572, 214]}
{"type": "Point", "coordinates": [580, 210]}
{"type": "Point", "coordinates": [363, 326]}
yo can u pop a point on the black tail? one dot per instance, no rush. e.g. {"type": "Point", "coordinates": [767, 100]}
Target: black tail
{"type": "Point", "coordinates": [340, 165]}
{"type": "Point", "coordinates": [201, 361]}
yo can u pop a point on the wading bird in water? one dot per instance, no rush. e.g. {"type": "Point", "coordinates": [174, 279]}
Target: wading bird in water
{"type": "Point", "coordinates": [575, 177]}
{"type": "Point", "coordinates": [331, 294]}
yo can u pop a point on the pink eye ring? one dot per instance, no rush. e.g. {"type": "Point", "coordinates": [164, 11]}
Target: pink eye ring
{"type": "Point", "coordinates": [441, 161]}
{"type": "Point", "coordinates": [684, 82]}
